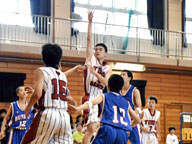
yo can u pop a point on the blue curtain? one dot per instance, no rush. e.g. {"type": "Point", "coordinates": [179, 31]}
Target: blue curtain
{"type": "Point", "coordinates": [155, 15]}
{"type": "Point", "coordinates": [42, 8]}
{"type": "Point", "coordinates": [184, 24]}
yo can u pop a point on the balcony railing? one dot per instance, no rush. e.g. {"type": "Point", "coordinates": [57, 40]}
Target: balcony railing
{"type": "Point", "coordinates": [119, 39]}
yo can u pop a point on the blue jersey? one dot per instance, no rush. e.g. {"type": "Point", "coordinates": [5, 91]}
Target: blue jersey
{"type": "Point", "coordinates": [135, 136]}
{"type": "Point", "coordinates": [19, 120]}
{"type": "Point", "coordinates": [129, 96]}
{"type": "Point", "coordinates": [19, 123]}
{"type": "Point", "coordinates": [115, 111]}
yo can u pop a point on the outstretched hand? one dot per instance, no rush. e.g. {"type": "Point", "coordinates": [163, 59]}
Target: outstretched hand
{"type": "Point", "coordinates": [73, 109]}
{"type": "Point", "coordinates": [70, 100]}
{"type": "Point", "coordinates": [90, 15]}
{"type": "Point", "coordinates": [92, 69]}
{"type": "Point", "coordinates": [80, 68]}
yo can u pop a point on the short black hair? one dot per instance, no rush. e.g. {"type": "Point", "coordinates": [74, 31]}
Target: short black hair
{"type": "Point", "coordinates": [51, 55]}
{"type": "Point", "coordinates": [115, 83]}
{"type": "Point", "coordinates": [129, 74]}
{"type": "Point", "coordinates": [78, 117]}
{"type": "Point", "coordinates": [153, 98]}
{"type": "Point", "coordinates": [103, 45]}
{"type": "Point", "coordinates": [3, 111]}
{"type": "Point", "coordinates": [171, 128]}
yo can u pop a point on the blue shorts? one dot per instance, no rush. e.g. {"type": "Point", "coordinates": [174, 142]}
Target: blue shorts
{"type": "Point", "coordinates": [110, 135]}
{"type": "Point", "coordinates": [16, 135]}
{"type": "Point", "coordinates": [135, 136]}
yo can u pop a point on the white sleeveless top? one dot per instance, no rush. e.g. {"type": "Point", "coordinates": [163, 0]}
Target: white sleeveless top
{"type": "Point", "coordinates": [54, 89]}
{"type": "Point", "coordinates": [93, 87]}
{"type": "Point", "coordinates": [149, 121]}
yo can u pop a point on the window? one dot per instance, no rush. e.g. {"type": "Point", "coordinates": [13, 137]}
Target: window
{"type": "Point", "coordinates": [114, 12]}
{"type": "Point", "coordinates": [15, 12]}
{"type": "Point", "coordinates": [188, 7]}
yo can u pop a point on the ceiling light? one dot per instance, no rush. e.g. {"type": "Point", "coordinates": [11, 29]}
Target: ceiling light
{"type": "Point", "coordinates": [128, 66]}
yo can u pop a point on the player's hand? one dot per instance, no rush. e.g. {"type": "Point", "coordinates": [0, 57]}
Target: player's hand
{"type": "Point", "coordinates": [146, 130]}
{"type": "Point", "coordinates": [2, 134]}
{"type": "Point", "coordinates": [90, 15]}
{"type": "Point", "coordinates": [80, 68]}
{"type": "Point", "coordinates": [29, 89]}
{"type": "Point", "coordinates": [70, 100]}
{"type": "Point", "coordinates": [158, 137]}
{"type": "Point", "coordinates": [92, 69]}
{"type": "Point", "coordinates": [73, 109]}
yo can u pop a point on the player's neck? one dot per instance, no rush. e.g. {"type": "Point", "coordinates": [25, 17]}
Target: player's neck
{"type": "Point", "coordinates": [126, 86]}
{"type": "Point", "coordinates": [152, 111]}
{"type": "Point", "coordinates": [101, 61]}
{"type": "Point", "coordinates": [171, 134]}
{"type": "Point", "coordinates": [22, 100]}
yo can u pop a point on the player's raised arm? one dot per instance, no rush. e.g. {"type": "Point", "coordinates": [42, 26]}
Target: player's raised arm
{"type": "Point", "coordinates": [89, 51]}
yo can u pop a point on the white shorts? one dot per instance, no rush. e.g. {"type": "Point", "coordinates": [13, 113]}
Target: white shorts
{"type": "Point", "coordinates": [149, 138]}
{"type": "Point", "coordinates": [93, 115]}
{"type": "Point", "coordinates": [53, 127]}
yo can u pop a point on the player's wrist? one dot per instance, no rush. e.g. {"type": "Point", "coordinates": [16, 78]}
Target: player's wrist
{"type": "Point", "coordinates": [90, 104]}
{"type": "Point", "coordinates": [138, 109]}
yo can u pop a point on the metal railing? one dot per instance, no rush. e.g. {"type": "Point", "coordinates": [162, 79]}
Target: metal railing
{"type": "Point", "coordinates": [119, 39]}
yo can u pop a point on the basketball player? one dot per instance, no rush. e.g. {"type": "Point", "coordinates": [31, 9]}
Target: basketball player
{"type": "Point", "coordinates": [116, 112]}
{"type": "Point", "coordinates": [132, 94]}
{"type": "Point", "coordinates": [96, 75]}
{"type": "Point", "coordinates": [52, 122]}
{"type": "Point", "coordinates": [19, 123]}
{"type": "Point", "coordinates": [150, 123]}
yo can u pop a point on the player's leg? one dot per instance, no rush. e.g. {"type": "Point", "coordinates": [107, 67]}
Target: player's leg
{"type": "Point", "coordinates": [91, 129]}
{"type": "Point", "coordinates": [42, 128]}
{"type": "Point", "coordinates": [135, 135]}
{"type": "Point", "coordinates": [92, 125]}
{"type": "Point", "coordinates": [64, 132]}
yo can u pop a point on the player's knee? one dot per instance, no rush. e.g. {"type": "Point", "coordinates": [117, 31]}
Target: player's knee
{"type": "Point", "coordinates": [92, 128]}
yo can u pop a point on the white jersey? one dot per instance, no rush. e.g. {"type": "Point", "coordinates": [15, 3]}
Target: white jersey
{"type": "Point", "coordinates": [93, 86]}
{"type": "Point", "coordinates": [171, 139]}
{"type": "Point", "coordinates": [54, 89]}
{"type": "Point", "coordinates": [149, 121]}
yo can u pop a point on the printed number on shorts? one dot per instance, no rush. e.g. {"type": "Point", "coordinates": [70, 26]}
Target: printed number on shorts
{"type": "Point", "coordinates": [62, 89]}
{"type": "Point", "coordinates": [115, 119]}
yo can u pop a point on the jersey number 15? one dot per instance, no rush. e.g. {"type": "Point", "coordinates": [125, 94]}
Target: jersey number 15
{"type": "Point", "coordinates": [62, 89]}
